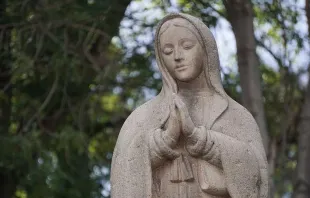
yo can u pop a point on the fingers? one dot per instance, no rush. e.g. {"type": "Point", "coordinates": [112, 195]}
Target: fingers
{"type": "Point", "coordinates": [181, 111]}
{"type": "Point", "coordinates": [187, 123]}
{"type": "Point", "coordinates": [173, 123]}
{"type": "Point", "coordinates": [173, 114]}
{"type": "Point", "coordinates": [181, 108]}
{"type": "Point", "coordinates": [172, 106]}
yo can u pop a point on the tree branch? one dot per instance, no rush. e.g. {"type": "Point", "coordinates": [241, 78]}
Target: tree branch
{"type": "Point", "coordinates": [277, 59]}
{"type": "Point", "coordinates": [44, 104]}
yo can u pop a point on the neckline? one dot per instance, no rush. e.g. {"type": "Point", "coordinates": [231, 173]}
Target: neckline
{"type": "Point", "coordinates": [195, 93]}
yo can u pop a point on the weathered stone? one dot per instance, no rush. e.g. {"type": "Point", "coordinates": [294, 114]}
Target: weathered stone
{"type": "Point", "coordinates": [192, 140]}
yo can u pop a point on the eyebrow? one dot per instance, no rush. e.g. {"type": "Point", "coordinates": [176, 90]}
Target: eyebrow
{"type": "Point", "coordinates": [187, 39]}
{"type": "Point", "coordinates": [168, 45]}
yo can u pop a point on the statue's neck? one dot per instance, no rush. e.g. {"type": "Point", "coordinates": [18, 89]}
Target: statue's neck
{"type": "Point", "coordinates": [197, 85]}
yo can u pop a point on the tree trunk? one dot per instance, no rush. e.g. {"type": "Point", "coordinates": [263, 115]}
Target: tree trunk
{"type": "Point", "coordinates": [302, 185]}
{"type": "Point", "coordinates": [240, 15]}
{"type": "Point", "coordinates": [272, 165]}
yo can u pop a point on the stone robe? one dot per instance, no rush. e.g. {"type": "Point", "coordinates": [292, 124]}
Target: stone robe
{"type": "Point", "coordinates": [228, 160]}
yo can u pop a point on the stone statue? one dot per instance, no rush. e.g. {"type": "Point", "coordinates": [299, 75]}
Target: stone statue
{"type": "Point", "coordinates": [192, 140]}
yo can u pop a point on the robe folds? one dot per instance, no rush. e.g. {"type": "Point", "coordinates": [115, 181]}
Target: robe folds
{"type": "Point", "coordinates": [230, 139]}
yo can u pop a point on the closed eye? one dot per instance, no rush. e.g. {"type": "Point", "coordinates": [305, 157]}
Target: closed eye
{"type": "Point", "coordinates": [167, 50]}
{"type": "Point", "coordinates": [188, 45]}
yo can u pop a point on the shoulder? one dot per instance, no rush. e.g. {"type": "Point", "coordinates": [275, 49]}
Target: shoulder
{"type": "Point", "coordinates": [134, 125]}
{"type": "Point", "coordinates": [141, 113]}
{"type": "Point", "coordinates": [238, 122]}
{"type": "Point", "coordinates": [240, 115]}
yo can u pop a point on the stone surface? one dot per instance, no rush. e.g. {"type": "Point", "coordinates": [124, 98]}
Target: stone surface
{"type": "Point", "coordinates": [192, 140]}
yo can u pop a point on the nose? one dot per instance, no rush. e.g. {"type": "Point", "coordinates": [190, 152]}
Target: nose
{"type": "Point", "coordinates": [178, 55]}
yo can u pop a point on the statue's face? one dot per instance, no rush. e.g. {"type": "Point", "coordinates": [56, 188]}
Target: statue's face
{"type": "Point", "coordinates": [181, 51]}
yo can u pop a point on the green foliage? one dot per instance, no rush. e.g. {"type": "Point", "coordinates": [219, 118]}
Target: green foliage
{"type": "Point", "coordinates": [62, 69]}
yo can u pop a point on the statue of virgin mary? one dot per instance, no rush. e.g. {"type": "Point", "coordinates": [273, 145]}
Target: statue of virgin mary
{"type": "Point", "coordinates": [192, 140]}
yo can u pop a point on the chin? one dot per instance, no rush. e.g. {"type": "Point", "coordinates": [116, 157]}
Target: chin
{"type": "Point", "coordinates": [187, 75]}
{"type": "Point", "coordinates": [186, 78]}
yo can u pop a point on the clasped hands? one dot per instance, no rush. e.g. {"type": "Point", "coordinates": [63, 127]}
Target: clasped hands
{"type": "Point", "coordinates": [179, 122]}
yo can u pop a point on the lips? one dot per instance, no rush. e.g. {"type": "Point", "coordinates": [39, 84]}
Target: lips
{"type": "Point", "coordinates": [181, 67]}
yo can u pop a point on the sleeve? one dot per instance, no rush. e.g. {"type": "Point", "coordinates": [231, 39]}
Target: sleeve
{"type": "Point", "coordinates": [242, 157]}
{"type": "Point", "coordinates": [161, 147]}
{"type": "Point", "coordinates": [203, 143]}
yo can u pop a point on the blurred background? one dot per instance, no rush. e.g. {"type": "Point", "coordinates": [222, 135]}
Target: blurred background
{"type": "Point", "coordinates": [72, 71]}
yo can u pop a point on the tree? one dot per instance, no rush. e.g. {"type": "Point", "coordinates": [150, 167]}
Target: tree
{"type": "Point", "coordinates": [302, 183]}
{"type": "Point", "coordinates": [240, 15]}
{"type": "Point", "coordinates": [54, 57]}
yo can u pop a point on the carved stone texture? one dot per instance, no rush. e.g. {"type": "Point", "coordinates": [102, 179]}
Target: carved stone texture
{"type": "Point", "coordinates": [192, 140]}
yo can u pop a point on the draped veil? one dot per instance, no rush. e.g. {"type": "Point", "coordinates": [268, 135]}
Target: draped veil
{"type": "Point", "coordinates": [131, 175]}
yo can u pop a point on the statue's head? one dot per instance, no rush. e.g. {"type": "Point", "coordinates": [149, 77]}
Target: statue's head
{"type": "Point", "coordinates": [185, 50]}
{"type": "Point", "coordinates": [181, 49]}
